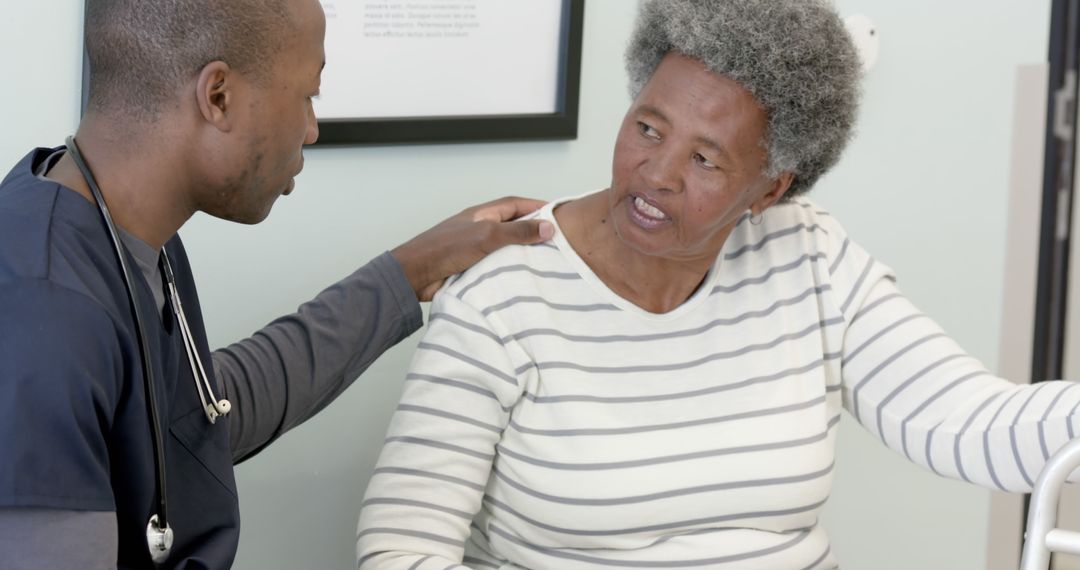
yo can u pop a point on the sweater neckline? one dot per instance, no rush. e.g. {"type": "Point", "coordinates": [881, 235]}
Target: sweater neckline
{"type": "Point", "coordinates": [703, 292]}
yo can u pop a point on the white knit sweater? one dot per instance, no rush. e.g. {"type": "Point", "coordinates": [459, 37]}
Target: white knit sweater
{"type": "Point", "coordinates": [548, 423]}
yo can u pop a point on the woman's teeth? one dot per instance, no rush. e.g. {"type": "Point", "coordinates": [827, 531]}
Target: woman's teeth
{"type": "Point", "coordinates": [648, 209]}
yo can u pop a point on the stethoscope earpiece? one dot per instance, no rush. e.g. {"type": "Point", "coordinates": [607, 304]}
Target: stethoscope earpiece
{"type": "Point", "coordinates": [213, 406]}
{"type": "Point", "coordinates": [216, 409]}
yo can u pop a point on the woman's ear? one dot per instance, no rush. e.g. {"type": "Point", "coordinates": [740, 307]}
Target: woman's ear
{"type": "Point", "coordinates": [780, 186]}
{"type": "Point", "coordinates": [215, 94]}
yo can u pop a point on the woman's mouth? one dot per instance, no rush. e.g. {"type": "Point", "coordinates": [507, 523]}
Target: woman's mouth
{"type": "Point", "coordinates": [645, 214]}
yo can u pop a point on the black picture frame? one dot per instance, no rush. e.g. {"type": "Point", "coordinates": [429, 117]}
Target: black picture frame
{"type": "Point", "coordinates": [562, 124]}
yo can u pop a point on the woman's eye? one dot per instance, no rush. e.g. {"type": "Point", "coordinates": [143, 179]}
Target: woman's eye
{"type": "Point", "coordinates": [704, 161]}
{"type": "Point", "coordinates": [648, 131]}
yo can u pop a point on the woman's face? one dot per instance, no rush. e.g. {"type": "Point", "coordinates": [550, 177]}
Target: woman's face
{"type": "Point", "coordinates": [688, 162]}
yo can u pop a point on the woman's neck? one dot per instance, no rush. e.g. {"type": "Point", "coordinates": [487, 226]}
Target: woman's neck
{"type": "Point", "coordinates": [655, 284]}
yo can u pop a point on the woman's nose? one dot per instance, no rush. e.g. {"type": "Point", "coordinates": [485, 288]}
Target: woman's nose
{"type": "Point", "coordinates": [663, 170]}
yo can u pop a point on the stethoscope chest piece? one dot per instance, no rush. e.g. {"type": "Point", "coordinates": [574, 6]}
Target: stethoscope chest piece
{"type": "Point", "coordinates": [159, 540]}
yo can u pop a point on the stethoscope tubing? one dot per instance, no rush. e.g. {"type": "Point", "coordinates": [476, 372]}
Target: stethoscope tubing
{"type": "Point", "coordinates": [144, 347]}
{"type": "Point", "coordinates": [159, 535]}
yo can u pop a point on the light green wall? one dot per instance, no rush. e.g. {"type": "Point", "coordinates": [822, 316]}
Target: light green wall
{"type": "Point", "coordinates": [923, 187]}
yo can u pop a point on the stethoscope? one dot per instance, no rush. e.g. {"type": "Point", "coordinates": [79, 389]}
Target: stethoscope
{"type": "Point", "coordinates": [159, 535]}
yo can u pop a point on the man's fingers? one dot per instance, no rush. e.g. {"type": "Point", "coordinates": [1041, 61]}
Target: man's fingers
{"type": "Point", "coordinates": [427, 293]}
{"type": "Point", "coordinates": [505, 209]}
{"type": "Point", "coordinates": [523, 232]}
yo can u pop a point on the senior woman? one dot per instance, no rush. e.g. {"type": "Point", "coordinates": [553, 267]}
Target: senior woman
{"type": "Point", "coordinates": [659, 387]}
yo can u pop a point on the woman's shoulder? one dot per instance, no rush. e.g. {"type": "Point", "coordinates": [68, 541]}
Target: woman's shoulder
{"type": "Point", "coordinates": [812, 216]}
{"type": "Point", "coordinates": [798, 224]}
{"type": "Point", "coordinates": [799, 210]}
{"type": "Point", "coordinates": [510, 263]}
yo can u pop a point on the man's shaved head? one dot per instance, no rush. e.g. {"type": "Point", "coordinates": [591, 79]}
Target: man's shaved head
{"type": "Point", "coordinates": [142, 51]}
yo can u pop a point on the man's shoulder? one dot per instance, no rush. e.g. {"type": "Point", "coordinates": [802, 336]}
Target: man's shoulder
{"type": "Point", "coordinates": [50, 239]}
{"type": "Point", "coordinates": [26, 210]}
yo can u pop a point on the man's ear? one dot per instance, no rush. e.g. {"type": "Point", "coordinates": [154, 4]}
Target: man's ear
{"type": "Point", "coordinates": [215, 94]}
{"type": "Point", "coordinates": [780, 186]}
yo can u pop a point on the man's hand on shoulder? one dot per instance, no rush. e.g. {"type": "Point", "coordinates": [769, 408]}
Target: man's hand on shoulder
{"type": "Point", "coordinates": [458, 242]}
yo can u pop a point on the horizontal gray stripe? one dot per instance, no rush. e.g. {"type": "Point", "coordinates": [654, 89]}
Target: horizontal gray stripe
{"type": "Point", "coordinates": [674, 334]}
{"type": "Point", "coordinates": [428, 475]}
{"type": "Point", "coordinates": [815, 327]}
{"type": "Point", "coordinates": [653, 527]}
{"type": "Point", "coordinates": [926, 403]}
{"type": "Point", "coordinates": [470, 361]}
{"type": "Point", "coordinates": [873, 305]}
{"type": "Point", "coordinates": [819, 559]}
{"type": "Point", "coordinates": [870, 341]}
{"type": "Point", "coordinates": [839, 256]}
{"type": "Point", "coordinates": [514, 269]}
{"type": "Point", "coordinates": [768, 274]}
{"type": "Point", "coordinates": [770, 237]}
{"type": "Point", "coordinates": [455, 384]}
{"type": "Point", "coordinates": [907, 383]}
{"type": "Point", "coordinates": [858, 284]}
{"type": "Point", "coordinates": [963, 429]}
{"type": "Point", "coordinates": [412, 533]}
{"type": "Point", "coordinates": [884, 364]}
{"type": "Point", "coordinates": [668, 426]}
{"type": "Point", "coordinates": [1069, 424]}
{"type": "Point", "coordinates": [418, 504]}
{"type": "Point", "coordinates": [1042, 422]}
{"type": "Point", "coordinates": [676, 395]}
{"type": "Point", "coordinates": [450, 416]}
{"type": "Point", "coordinates": [465, 325]}
{"type": "Point", "coordinates": [986, 441]}
{"type": "Point", "coordinates": [747, 484]}
{"type": "Point", "coordinates": [804, 204]}
{"type": "Point", "coordinates": [929, 445]}
{"type": "Point", "coordinates": [367, 557]}
{"type": "Point", "coordinates": [440, 445]}
{"type": "Point", "coordinates": [667, 458]}
{"type": "Point", "coordinates": [562, 553]}
{"type": "Point", "coordinates": [553, 306]}
{"type": "Point", "coordinates": [1012, 435]}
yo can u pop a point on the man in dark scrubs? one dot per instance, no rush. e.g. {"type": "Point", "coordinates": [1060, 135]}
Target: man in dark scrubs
{"type": "Point", "coordinates": [195, 105]}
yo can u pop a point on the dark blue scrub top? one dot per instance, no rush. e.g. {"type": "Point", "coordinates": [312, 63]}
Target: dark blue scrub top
{"type": "Point", "coordinates": [74, 428]}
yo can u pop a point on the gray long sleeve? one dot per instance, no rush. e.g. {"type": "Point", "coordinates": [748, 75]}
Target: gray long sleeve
{"type": "Point", "coordinates": [296, 365]}
{"type": "Point", "coordinates": [33, 538]}
{"type": "Point", "coordinates": [276, 379]}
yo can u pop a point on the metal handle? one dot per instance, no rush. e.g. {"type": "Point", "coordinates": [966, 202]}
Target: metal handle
{"type": "Point", "coordinates": [1041, 536]}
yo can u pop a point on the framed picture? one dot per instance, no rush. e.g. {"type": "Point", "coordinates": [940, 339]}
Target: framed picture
{"type": "Point", "coordinates": [429, 71]}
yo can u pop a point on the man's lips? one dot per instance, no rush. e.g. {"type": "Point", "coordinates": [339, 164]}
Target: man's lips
{"type": "Point", "coordinates": [292, 181]}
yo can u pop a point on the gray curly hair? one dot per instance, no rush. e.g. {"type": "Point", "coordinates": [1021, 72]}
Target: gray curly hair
{"type": "Point", "coordinates": [794, 56]}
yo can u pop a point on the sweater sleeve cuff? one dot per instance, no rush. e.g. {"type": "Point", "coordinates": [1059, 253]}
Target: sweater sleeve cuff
{"type": "Point", "coordinates": [392, 274]}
